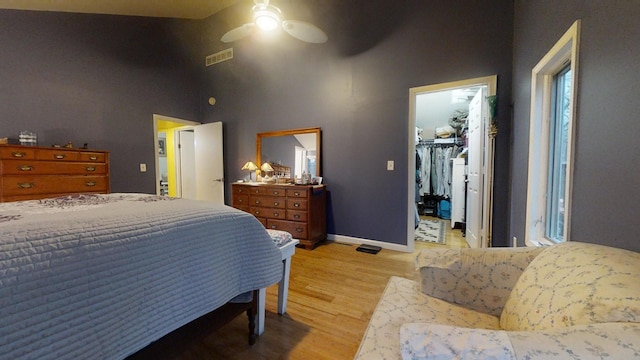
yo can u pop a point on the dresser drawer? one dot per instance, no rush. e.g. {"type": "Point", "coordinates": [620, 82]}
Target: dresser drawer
{"type": "Point", "coordinates": [48, 184]}
{"type": "Point", "coordinates": [21, 167]}
{"type": "Point", "coordinates": [257, 190]}
{"type": "Point", "coordinates": [296, 215]}
{"type": "Point", "coordinates": [22, 152]}
{"type": "Point", "coordinates": [297, 193]}
{"type": "Point", "coordinates": [276, 191]}
{"type": "Point", "coordinates": [237, 189]}
{"type": "Point", "coordinates": [272, 213]}
{"type": "Point", "coordinates": [240, 201]}
{"type": "Point", "coordinates": [93, 157]}
{"type": "Point", "coordinates": [57, 154]}
{"type": "Point", "coordinates": [297, 204]}
{"type": "Point", "coordinates": [296, 229]}
{"type": "Point", "coordinates": [267, 201]}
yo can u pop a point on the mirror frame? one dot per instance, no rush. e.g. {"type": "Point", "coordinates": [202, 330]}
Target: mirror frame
{"type": "Point", "coordinates": [314, 130]}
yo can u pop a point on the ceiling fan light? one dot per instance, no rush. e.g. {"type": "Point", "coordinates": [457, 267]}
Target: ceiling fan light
{"type": "Point", "coordinates": [267, 19]}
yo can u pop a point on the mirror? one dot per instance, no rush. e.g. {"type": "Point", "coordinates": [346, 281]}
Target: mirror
{"type": "Point", "coordinates": [290, 152]}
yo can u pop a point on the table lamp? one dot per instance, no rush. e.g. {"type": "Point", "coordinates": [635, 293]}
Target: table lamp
{"type": "Point", "coordinates": [249, 165]}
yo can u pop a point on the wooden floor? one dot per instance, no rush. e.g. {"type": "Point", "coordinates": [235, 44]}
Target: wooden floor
{"type": "Point", "coordinates": [332, 293]}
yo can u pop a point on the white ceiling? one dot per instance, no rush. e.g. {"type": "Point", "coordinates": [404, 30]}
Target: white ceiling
{"type": "Point", "coordinates": [185, 9]}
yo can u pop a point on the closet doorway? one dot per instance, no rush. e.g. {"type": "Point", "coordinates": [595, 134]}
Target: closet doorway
{"type": "Point", "coordinates": [434, 123]}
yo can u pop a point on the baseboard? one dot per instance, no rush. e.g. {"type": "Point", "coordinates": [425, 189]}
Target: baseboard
{"type": "Point", "coordinates": [360, 241]}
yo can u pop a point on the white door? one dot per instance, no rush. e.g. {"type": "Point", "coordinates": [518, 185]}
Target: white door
{"type": "Point", "coordinates": [209, 169]}
{"type": "Point", "coordinates": [187, 169]}
{"type": "Point", "coordinates": [475, 171]}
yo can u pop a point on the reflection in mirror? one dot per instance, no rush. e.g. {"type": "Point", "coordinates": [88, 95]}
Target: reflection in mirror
{"type": "Point", "coordinates": [290, 153]}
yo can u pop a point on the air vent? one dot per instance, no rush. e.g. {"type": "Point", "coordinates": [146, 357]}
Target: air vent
{"type": "Point", "coordinates": [218, 57]}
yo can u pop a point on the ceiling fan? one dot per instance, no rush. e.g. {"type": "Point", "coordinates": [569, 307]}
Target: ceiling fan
{"type": "Point", "coordinates": [268, 18]}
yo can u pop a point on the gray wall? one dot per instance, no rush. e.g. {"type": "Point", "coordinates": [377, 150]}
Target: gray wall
{"type": "Point", "coordinates": [605, 201]}
{"type": "Point", "coordinates": [356, 88]}
{"type": "Point", "coordinates": [98, 80]}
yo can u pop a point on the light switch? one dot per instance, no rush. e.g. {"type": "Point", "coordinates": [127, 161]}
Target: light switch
{"type": "Point", "coordinates": [390, 165]}
{"type": "Point", "coordinates": [143, 167]}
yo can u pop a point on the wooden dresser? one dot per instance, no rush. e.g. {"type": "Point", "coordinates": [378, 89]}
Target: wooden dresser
{"type": "Point", "coordinates": [28, 172]}
{"type": "Point", "coordinates": [297, 209]}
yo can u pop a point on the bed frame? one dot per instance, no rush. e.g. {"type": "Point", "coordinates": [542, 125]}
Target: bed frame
{"type": "Point", "coordinates": [176, 342]}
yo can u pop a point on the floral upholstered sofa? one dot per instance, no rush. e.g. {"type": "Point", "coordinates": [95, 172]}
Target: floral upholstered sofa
{"type": "Point", "coordinates": [567, 301]}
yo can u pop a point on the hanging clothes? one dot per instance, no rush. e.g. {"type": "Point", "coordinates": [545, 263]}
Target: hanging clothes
{"type": "Point", "coordinates": [425, 156]}
{"type": "Point", "coordinates": [418, 177]}
{"type": "Point", "coordinates": [435, 173]}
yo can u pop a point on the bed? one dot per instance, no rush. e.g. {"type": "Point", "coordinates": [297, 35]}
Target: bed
{"type": "Point", "coordinates": [103, 276]}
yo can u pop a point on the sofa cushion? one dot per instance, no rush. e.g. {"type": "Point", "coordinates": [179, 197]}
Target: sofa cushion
{"type": "Point", "coordinates": [433, 341]}
{"type": "Point", "coordinates": [478, 279]}
{"type": "Point", "coordinates": [595, 341]}
{"type": "Point", "coordinates": [402, 302]}
{"type": "Point", "coordinates": [575, 284]}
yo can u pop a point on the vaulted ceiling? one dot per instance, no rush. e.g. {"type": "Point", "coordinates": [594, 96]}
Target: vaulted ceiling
{"type": "Point", "coordinates": [185, 9]}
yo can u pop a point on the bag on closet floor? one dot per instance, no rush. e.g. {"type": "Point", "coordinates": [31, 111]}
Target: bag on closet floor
{"type": "Point", "coordinates": [444, 209]}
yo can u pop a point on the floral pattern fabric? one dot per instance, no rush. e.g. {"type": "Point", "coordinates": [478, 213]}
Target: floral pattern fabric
{"type": "Point", "coordinates": [433, 341]}
{"type": "Point", "coordinates": [567, 301]}
{"type": "Point", "coordinates": [401, 303]}
{"type": "Point", "coordinates": [478, 279]}
{"type": "Point", "coordinates": [279, 237]}
{"type": "Point", "coordinates": [575, 284]}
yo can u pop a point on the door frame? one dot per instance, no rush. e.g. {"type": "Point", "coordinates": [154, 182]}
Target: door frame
{"type": "Point", "coordinates": [487, 195]}
{"type": "Point", "coordinates": [179, 124]}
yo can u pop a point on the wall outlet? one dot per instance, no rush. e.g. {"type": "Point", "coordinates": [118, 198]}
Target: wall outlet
{"type": "Point", "coordinates": [143, 167]}
{"type": "Point", "coordinates": [390, 165]}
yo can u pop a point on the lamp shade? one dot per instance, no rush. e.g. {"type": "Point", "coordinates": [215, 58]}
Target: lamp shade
{"type": "Point", "coordinates": [266, 167]}
{"type": "Point", "coordinates": [249, 165]}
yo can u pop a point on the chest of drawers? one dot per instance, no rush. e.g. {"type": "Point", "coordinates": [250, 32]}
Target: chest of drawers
{"type": "Point", "coordinates": [28, 173]}
{"type": "Point", "coordinates": [297, 209]}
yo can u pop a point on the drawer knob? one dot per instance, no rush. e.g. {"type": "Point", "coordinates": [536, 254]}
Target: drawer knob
{"type": "Point", "coordinates": [276, 214]}
{"type": "Point", "coordinates": [257, 201]}
{"type": "Point", "coordinates": [276, 203]}
{"type": "Point", "coordinates": [296, 193]}
{"type": "Point", "coordinates": [296, 205]}
{"type": "Point", "coordinates": [90, 168]}
{"type": "Point", "coordinates": [296, 216]}
{"type": "Point", "coordinates": [239, 190]}
{"type": "Point", "coordinates": [25, 185]}
{"type": "Point", "coordinates": [276, 193]}
{"type": "Point", "coordinates": [93, 157]}
{"type": "Point", "coordinates": [59, 156]}
{"type": "Point", "coordinates": [18, 154]}
{"type": "Point", "coordinates": [239, 200]}
{"type": "Point", "coordinates": [90, 183]}
{"type": "Point", "coordinates": [299, 230]}
{"type": "Point", "coordinates": [274, 227]}
{"type": "Point", "coordinates": [25, 168]}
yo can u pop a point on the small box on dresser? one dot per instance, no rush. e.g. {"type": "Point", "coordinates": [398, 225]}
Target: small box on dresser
{"type": "Point", "coordinates": [29, 172]}
{"type": "Point", "coordinates": [297, 209]}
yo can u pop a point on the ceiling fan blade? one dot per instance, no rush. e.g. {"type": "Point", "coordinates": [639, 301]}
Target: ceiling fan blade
{"type": "Point", "coordinates": [237, 33]}
{"type": "Point", "coordinates": [304, 31]}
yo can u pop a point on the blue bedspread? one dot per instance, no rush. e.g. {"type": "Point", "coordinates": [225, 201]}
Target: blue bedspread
{"type": "Point", "coordinates": [102, 276]}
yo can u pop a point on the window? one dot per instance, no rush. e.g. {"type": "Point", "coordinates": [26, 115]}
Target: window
{"type": "Point", "coordinates": [552, 123]}
{"type": "Point", "coordinates": [557, 163]}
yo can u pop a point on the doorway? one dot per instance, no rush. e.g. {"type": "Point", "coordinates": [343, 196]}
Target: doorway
{"type": "Point", "coordinates": [189, 159]}
{"type": "Point", "coordinates": [442, 102]}
{"type": "Point", "coordinates": [167, 158]}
